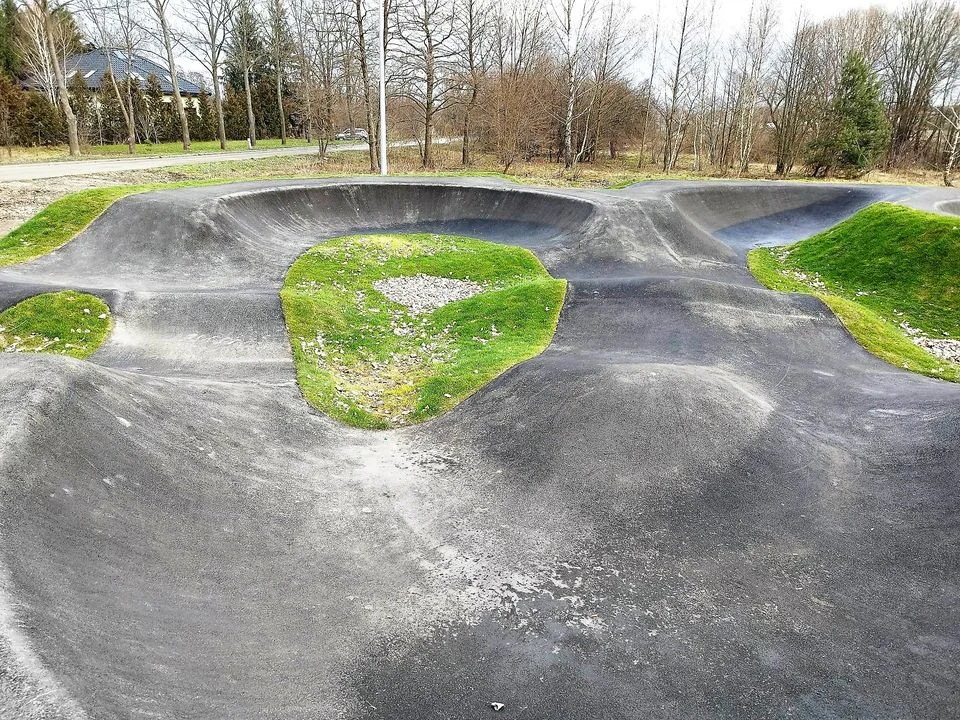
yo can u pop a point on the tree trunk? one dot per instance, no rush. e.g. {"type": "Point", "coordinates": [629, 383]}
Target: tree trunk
{"type": "Point", "coordinates": [73, 137]}
{"type": "Point", "coordinates": [568, 118]}
{"type": "Point", "coordinates": [218, 104]}
{"type": "Point", "coordinates": [126, 108]}
{"type": "Point", "coordinates": [174, 81]}
{"type": "Point", "coordinates": [132, 124]}
{"type": "Point", "coordinates": [251, 120]}
{"type": "Point", "coordinates": [952, 156]}
{"type": "Point", "coordinates": [364, 75]}
{"type": "Point", "coordinates": [283, 117]}
{"type": "Point", "coordinates": [465, 147]}
{"type": "Point", "coordinates": [429, 109]}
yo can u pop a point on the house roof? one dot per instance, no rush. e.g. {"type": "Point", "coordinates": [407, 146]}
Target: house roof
{"type": "Point", "coordinates": [92, 66]}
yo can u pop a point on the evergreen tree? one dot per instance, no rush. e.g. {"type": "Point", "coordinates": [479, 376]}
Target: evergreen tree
{"type": "Point", "coordinates": [9, 55]}
{"type": "Point", "coordinates": [44, 123]}
{"type": "Point", "coordinates": [855, 132]}
{"type": "Point", "coordinates": [111, 125]}
{"type": "Point", "coordinates": [235, 114]}
{"type": "Point", "coordinates": [203, 119]}
{"type": "Point", "coordinates": [12, 112]}
{"type": "Point", "coordinates": [81, 100]}
{"type": "Point", "coordinates": [163, 124]}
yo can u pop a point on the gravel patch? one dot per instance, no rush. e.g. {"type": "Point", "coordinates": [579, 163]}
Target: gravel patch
{"type": "Point", "coordinates": [425, 293]}
{"type": "Point", "coordinates": [943, 348]}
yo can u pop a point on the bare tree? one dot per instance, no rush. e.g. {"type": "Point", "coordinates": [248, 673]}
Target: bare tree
{"type": "Point", "coordinates": [161, 13]}
{"type": "Point", "coordinates": [700, 129]}
{"type": "Point", "coordinates": [47, 46]}
{"type": "Point", "coordinates": [922, 52]}
{"type": "Point", "coordinates": [676, 118]}
{"type": "Point", "coordinates": [615, 47]}
{"type": "Point", "coordinates": [425, 28]}
{"type": "Point", "coordinates": [245, 54]}
{"type": "Point", "coordinates": [472, 19]}
{"type": "Point", "coordinates": [331, 42]}
{"type": "Point", "coordinates": [653, 74]}
{"type": "Point", "coordinates": [572, 19]}
{"type": "Point", "coordinates": [301, 16]}
{"type": "Point", "coordinates": [34, 51]}
{"type": "Point", "coordinates": [759, 27]}
{"type": "Point", "coordinates": [278, 40]}
{"type": "Point", "coordinates": [118, 33]}
{"type": "Point", "coordinates": [791, 96]}
{"type": "Point", "coordinates": [513, 115]}
{"type": "Point", "coordinates": [951, 116]}
{"type": "Point", "coordinates": [206, 41]}
{"type": "Point", "coordinates": [360, 18]}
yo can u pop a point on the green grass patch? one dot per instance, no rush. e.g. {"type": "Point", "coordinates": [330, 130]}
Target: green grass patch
{"type": "Point", "coordinates": [372, 363]}
{"type": "Point", "coordinates": [58, 223]}
{"type": "Point", "coordinates": [196, 146]}
{"type": "Point", "coordinates": [62, 220]}
{"type": "Point", "coordinates": [888, 272]}
{"type": "Point", "coordinates": [60, 323]}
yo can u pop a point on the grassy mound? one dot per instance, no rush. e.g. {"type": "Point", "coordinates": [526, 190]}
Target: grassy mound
{"type": "Point", "coordinates": [61, 323]}
{"type": "Point", "coordinates": [371, 362]}
{"type": "Point", "coordinates": [891, 274]}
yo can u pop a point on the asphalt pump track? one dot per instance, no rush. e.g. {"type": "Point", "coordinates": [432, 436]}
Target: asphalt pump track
{"type": "Point", "coordinates": [703, 500]}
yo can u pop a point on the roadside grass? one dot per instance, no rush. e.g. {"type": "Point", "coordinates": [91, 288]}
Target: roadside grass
{"type": "Point", "coordinates": [54, 153]}
{"type": "Point", "coordinates": [370, 362]}
{"type": "Point", "coordinates": [887, 272]}
{"type": "Point", "coordinates": [196, 146]}
{"type": "Point", "coordinates": [59, 323]}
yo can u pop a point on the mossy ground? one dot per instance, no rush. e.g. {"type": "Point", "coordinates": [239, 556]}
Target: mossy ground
{"type": "Point", "coordinates": [885, 266]}
{"type": "Point", "coordinates": [60, 323]}
{"type": "Point", "coordinates": [367, 361]}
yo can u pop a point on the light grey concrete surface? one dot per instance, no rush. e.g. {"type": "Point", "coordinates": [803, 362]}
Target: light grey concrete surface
{"type": "Point", "coordinates": [89, 166]}
{"type": "Point", "coordinates": [704, 500]}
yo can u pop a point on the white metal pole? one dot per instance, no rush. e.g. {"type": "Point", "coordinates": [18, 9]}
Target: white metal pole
{"type": "Point", "coordinates": [383, 98]}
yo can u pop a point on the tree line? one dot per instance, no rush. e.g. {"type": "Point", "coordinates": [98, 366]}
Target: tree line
{"type": "Point", "coordinates": [563, 80]}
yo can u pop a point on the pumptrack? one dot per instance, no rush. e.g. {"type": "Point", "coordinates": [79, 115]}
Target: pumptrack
{"type": "Point", "coordinates": [703, 500]}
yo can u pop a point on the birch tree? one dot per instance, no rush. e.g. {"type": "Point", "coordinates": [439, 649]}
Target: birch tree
{"type": "Point", "coordinates": [572, 19]}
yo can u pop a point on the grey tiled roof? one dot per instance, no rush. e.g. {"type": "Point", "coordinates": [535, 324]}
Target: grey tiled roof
{"type": "Point", "coordinates": [92, 65]}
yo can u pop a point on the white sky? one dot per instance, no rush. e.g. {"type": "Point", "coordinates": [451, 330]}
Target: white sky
{"type": "Point", "coordinates": [731, 15]}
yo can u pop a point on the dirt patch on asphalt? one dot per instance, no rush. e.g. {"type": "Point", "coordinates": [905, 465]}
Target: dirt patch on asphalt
{"type": "Point", "coordinates": [20, 200]}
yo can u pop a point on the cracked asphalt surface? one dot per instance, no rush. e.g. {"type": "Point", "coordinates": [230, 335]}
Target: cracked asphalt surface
{"type": "Point", "coordinates": [704, 500]}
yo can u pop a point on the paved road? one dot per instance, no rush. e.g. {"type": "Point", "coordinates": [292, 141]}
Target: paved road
{"type": "Point", "coordinates": [63, 168]}
{"type": "Point", "coordinates": [704, 500]}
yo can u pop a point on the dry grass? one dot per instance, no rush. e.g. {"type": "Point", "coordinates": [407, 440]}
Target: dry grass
{"type": "Point", "coordinates": [19, 201]}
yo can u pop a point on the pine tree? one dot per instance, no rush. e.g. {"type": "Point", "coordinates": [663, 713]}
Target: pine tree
{"type": "Point", "coordinates": [82, 102]}
{"type": "Point", "coordinates": [164, 126]}
{"type": "Point", "coordinates": [44, 123]}
{"type": "Point", "coordinates": [12, 112]}
{"type": "Point", "coordinates": [201, 116]}
{"type": "Point", "coordinates": [112, 128]}
{"type": "Point", "coordinates": [855, 132]}
{"type": "Point", "coordinates": [9, 55]}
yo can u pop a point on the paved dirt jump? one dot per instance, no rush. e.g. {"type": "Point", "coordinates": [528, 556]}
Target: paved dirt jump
{"type": "Point", "coordinates": [703, 500]}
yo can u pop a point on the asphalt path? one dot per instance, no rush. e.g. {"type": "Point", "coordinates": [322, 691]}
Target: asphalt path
{"type": "Point", "coordinates": [704, 500]}
{"type": "Point", "coordinates": [89, 166]}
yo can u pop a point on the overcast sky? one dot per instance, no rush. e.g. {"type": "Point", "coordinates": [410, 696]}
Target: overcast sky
{"type": "Point", "coordinates": [732, 14]}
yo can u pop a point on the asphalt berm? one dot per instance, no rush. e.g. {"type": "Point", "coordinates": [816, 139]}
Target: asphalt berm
{"type": "Point", "coordinates": [703, 500]}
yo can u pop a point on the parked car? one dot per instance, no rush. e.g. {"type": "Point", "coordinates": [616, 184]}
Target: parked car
{"type": "Point", "coordinates": [353, 134]}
